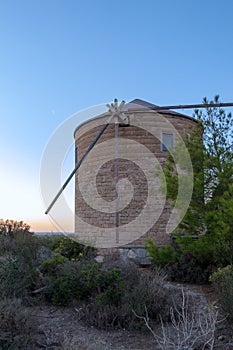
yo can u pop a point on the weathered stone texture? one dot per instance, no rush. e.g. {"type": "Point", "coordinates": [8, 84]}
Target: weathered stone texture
{"type": "Point", "coordinates": [142, 209]}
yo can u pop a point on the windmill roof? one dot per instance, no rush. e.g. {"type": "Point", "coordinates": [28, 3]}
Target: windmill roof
{"type": "Point", "coordinates": [144, 105]}
{"type": "Point", "coordinates": [151, 106]}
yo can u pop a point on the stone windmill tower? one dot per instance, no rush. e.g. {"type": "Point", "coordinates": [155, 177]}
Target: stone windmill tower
{"type": "Point", "coordinates": [118, 197]}
{"type": "Point", "coordinates": [119, 179]}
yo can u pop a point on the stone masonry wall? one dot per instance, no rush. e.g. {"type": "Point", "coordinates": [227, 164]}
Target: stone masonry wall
{"type": "Point", "coordinates": [143, 210]}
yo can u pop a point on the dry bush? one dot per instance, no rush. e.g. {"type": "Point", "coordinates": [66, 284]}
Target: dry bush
{"type": "Point", "coordinates": [18, 265]}
{"type": "Point", "coordinates": [191, 327]}
{"type": "Point", "coordinates": [74, 343]}
{"type": "Point", "coordinates": [23, 245]}
{"type": "Point", "coordinates": [17, 278]}
{"type": "Point", "coordinates": [16, 329]}
{"type": "Point", "coordinates": [140, 288]}
{"type": "Point", "coordinates": [101, 316]}
{"type": "Point", "coordinates": [222, 281]}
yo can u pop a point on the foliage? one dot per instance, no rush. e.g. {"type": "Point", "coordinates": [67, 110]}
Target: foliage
{"type": "Point", "coordinates": [208, 249]}
{"type": "Point", "coordinates": [53, 265]}
{"type": "Point", "coordinates": [71, 249]}
{"type": "Point", "coordinates": [218, 147]}
{"type": "Point", "coordinates": [110, 293]}
{"type": "Point", "coordinates": [180, 265]}
{"type": "Point", "coordinates": [222, 280]}
{"type": "Point", "coordinates": [188, 270]}
{"type": "Point", "coordinates": [18, 264]}
{"type": "Point", "coordinates": [222, 274]}
{"type": "Point", "coordinates": [17, 279]}
{"type": "Point", "coordinates": [191, 260]}
{"type": "Point", "coordinates": [8, 227]}
{"type": "Point", "coordinates": [24, 245]}
{"type": "Point", "coordinates": [63, 289]}
{"type": "Point", "coordinates": [217, 160]}
{"type": "Point", "coordinates": [210, 214]}
{"type": "Point", "coordinates": [140, 289]}
{"type": "Point", "coordinates": [161, 256]}
{"type": "Point", "coordinates": [219, 217]}
{"type": "Point", "coordinates": [81, 280]}
{"type": "Point", "coordinates": [111, 288]}
{"type": "Point", "coordinates": [188, 157]}
{"type": "Point", "coordinates": [210, 146]}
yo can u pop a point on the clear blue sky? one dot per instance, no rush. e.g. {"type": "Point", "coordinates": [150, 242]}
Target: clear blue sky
{"type": "Point", "coordinates": [61, 56]}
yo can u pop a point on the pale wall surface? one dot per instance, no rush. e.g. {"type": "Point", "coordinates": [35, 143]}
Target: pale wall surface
{"type": "Point", "coordinates": [143, 209]}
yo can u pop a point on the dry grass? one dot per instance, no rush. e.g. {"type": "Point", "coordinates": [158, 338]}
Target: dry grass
{"type": "Point", "coordinates": [74, 343]}
{"type": "Point", "coordinates": [190, 328]}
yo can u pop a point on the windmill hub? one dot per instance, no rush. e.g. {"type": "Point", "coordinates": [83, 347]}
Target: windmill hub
{"type": "Point", "coordinates": [116, 111]}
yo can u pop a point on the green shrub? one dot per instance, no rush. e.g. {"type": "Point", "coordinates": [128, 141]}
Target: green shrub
{"type": "Point", "coordinates": [90, 278]}
{"type": "Point", "coordinates": [188, 270]}
{"type": "Point", "coordinates": [199, 258]}
{"type": "Point", "coordinates": [139, 290]}
{"type": "Point", "coordinates": [222, 280]}
{"type": "Point", "coordinates": [222, 274]}
{"type": "Point", "coordinates": [17, 279]}
{"type": "Point", "coordinates": [188, 260]}
{"type": "Point", "coordinates": [161, 256]}
{"type": "Point", "coordinates": [192, 260]}
{"type": "Point", "coordinates": [52, 266]}
{"type": "Point", "coordinates": [71, 249]}
{"type": "Point", "coordinates": [82, 280]}
{"type": "Point", "coordinates": [112, 285]}
{"type": "Point", "coordinates": [207, 249]}
{"type": "Point", "coordinates": [63, 289]}
{"type": "Point", "coordinates": [195, 260]}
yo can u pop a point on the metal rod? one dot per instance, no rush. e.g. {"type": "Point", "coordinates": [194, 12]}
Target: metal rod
{"type": "Point", "coordinates": [116, 178]}
{"type": "Point", "coordinates": [201, 105]}
{"type": "Point", "coordinates": [77, 166]}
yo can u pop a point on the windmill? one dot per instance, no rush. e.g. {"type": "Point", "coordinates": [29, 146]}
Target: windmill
{"type": "Point", "coordinates": [119, 117]}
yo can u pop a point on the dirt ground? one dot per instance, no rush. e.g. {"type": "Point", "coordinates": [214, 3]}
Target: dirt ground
{"type": "Point", "coordinates": [63, 329]}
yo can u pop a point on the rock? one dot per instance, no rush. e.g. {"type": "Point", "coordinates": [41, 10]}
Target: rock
{"type": "Point", "coordinates": [99, 258]}
{"type": "Point", "coordinates": [138, 255]}
{"type": "Point", "coordinates": [221, 337]}
{"type": "Point", "coordinates": [131, 254]}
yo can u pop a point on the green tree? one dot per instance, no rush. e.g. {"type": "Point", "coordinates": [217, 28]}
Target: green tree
{"type": "Point", "coordinates": [218, 168]}
{"type": "Point", "coordinates": [210, 213]}
{"type": "Point", "coordinates": [211, 149]}
{"type": "Point", "coordinates": [218, 150]}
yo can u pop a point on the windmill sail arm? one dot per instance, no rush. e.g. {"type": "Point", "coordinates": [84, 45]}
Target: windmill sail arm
{"type": "Point", "coordinates": [202, 105]}
{"type": "Point", "coordinates": [77, 166]}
